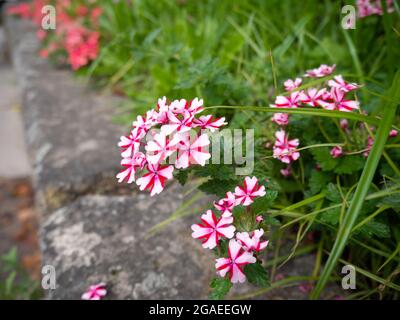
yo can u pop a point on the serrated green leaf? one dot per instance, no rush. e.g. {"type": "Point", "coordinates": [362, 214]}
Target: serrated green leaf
{"type": "Point", "coordinates": [181, 176]}
{"type": "Point", "coordinates": [379, 229]}
{"type": "Point", "coordinates": [220, 288]}
{"type": "Point", "coordinates": [349, 165]}
{"type": "Point", "coordinates": [271, 221]}
{"type": "Point", "coordinates": [262, 204]}
{"type": "Point", "coordinates": [331, 216]}
{"type": "Point", "coordinates": [324, 158]}
{"type": "Point", "coordinates": [256, 274]}
{"type": "Point", "coordinates": [332, 193]}
{"type": "Point", "coordinates": [217, 187]}
{"type": "Point", "coordinates": [318, 181]}
{"type": "Point", "coordinates": [392, 200]}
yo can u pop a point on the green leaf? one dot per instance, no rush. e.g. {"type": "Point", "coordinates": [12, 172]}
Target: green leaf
{"type": "Point", "coordinates": [262, 204]}
{"type": "Point", "coordinates": [181, 176]}
{"type": "Point", "coordinates": [332, 193]}
{"type": "Point", "coordinates": [217, 187]}
{"type": "Point", "coordinates": [379, 229]}
{"type": "Point", "coordinates": [349, 165]}
{"type": "Point", "coordinates": [9, 282]}
{"type": "Point", "coordinates": [10, 259]}
{"type": "Point", "coordinates": [220, 172]}
{"type": "Point", "coordinates": [256, 274]}
{"type": "Point", "coordinates": [331, 216]}
{"type": "Point", "coordinates": [324, 158]}
{"type": "Point", "coordinates": [271, 221]}
{"type": "Point", "coordinates": [392, 200]}
{"type": "Point", "coordinates": [318, 181]}
{"type": "Point", "coordinates": [220, 288]}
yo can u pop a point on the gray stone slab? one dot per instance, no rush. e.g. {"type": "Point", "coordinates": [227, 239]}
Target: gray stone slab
{"type": "Point", "coordinates": [14, 159]}
{"type": "Point", "coordinates": [70, 134]}
{"type": "Point", "coordinates": [3, 46]}
{"type": "Point", "coordinates": [103, 239]}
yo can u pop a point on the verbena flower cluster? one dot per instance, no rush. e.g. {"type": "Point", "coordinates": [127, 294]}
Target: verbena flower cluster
{"type": "Point", "coordinates": [219, 224]}
{"type": "Point", "coordinates": [182, 138]}
{"type": "Point", "coordinates": [332, 96]}
{"type": "Point", "coordinates": [75, 36]}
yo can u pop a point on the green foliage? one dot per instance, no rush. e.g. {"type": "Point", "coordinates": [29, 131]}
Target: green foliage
{"type": "Point", "coordinates": [261, 204]}
{"type": "Point", "coordinates": [220, 288]}
{"type": "Point", "coordinates": [256, 274]}
{"type": "Point", "coordinates": [182, 176]}
{"type": "Point", "coordinates": [15, 283]}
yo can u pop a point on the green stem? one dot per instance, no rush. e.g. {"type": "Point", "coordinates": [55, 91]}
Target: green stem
{"type": "Point", "coordinates": [306, 111]}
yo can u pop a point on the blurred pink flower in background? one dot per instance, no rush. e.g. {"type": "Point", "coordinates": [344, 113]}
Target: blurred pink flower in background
{"type": "Point", "coordinates": [286, 172]}
{"type": "Point", "coordinates": [290, 84]}
{"type": "Point", "coordinates": [393, 133]}
{"type": "Point", "coordinates": [336, 152]}
{"type": "Point", "coordinates": [372, 7]}
{"type": "Point", "coordinates": [322, 71]}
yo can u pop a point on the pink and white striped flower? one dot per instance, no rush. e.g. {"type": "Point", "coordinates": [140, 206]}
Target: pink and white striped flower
{"type": "Point", "coordinates": [142, 125]}
{"type": "Point", "coordinates": [290, 101]}
{"type": "Point", "coordinates": [130, 144]}
{"type": "Point", "coordinates": [178, 122]}
{"type": "Point", "coordinates": [252, 242]}
{"type": "Point", "coordinates": [95, 292]}
{"type": "Point", "coordinates": [155, 178]}
{"type": "Point", "coordinates": [337, 101]}
{"type": "Point", "coordinates": [281, 119]}
{"type": "Point", "coordinates": [162, 110]}
{"type": "Point", "coordinates": [208, 122]}
{"type": "Point", "coordinates": [226, 204]}
{"type": "Point", "coordinates": [322, 71]}
{"type": "Point", "coordinates": [130, 166]}
{"type": "Point", "coordinates": [284, 149]}
{"type": "Point", "coordinates": [161, 147]}
{"type": "Point", "coordinates": [195, 106]}
{"type": "Point", "coordinates": [339, 83]}
{"type": "Point", "coordinates": [192, 153]}
{"type": "Point", "coordinates": [237, 259]}
{"type": "Point", "coordinates": [212, 229]}
{"type": "Point", "coordinates": [313, 97]}
{"type": "Point", "coordinates": [251, 189]}
{"type": "Point", "coordinates": [291, 85]}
